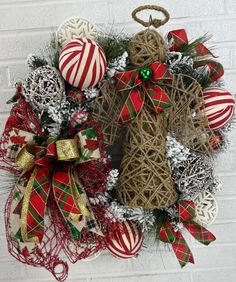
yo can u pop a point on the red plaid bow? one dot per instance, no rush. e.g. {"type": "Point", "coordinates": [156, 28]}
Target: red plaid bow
{"type": "Point", "coordinates": [178, 39]}
{"type": "Point", "coordinates": [53, 168]}
{"type": "Point", "coordinates": [138, 89]}
{"type": "Point", "coordinates": [167, 234]}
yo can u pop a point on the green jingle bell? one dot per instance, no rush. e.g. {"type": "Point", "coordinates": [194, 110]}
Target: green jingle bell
{"type": "Point", "coordinates": [145, 73]}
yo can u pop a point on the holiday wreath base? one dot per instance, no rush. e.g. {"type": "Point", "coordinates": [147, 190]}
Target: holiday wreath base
{"type": "Point", "coordinates": [111, 138]}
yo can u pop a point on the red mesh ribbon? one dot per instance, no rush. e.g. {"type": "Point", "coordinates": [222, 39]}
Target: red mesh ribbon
{"type": "Point", "coordinates": [21, 117]}
{"type": "Point", "coordinates": [167, 234]}
{"type": "Point", "coordinates": [54, 233]}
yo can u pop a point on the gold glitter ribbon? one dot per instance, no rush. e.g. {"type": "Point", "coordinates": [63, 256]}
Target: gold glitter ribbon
{"type": "Point", "coordinates": [25, 209]}
{"type": "Point", "coordinates": [67, 150]}
{"type": "Point", "coordinates": [25, 158]}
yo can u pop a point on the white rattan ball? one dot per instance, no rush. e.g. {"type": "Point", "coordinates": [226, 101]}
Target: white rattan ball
{"type": "Point", "coordinates": [44, 88]}
{"type": "Point", "coordinates": [73, 28]}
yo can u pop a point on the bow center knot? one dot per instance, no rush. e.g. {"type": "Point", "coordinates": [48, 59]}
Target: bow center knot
{"type": "Point", "coordinates": [67, 149]}
{"type": "Point", "coordinates": [145, 73]}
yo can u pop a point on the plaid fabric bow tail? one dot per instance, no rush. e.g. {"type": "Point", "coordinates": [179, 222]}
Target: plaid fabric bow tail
{"type": "Point", "coordinates": [50, 169]}
{"type": "Point", "coordinates": [167, 234]}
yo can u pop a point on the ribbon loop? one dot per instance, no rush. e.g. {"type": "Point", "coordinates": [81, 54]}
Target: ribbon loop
{"type": "Point", "coordinates": [25, 158]}
{"type": "Point", "coordinates": [187, 214]}
{"type": "Point", "coordinates": [178, 39]}
{"type": "Point", "coordinates": [186, 210]}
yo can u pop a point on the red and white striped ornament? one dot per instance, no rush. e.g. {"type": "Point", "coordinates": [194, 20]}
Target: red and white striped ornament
{"type": "Point", "coordinates": [82, 63]}
{"type": "Point", "coordinates": [126, 241]}
{"type": "Point", "coordinates": [219, 106]}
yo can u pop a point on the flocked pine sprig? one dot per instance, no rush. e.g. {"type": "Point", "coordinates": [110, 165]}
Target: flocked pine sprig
{"type": "Point", "coordinates": [192, 172]}
{"type": "Point", "coordinates": [112, 179]}
{"type": "Point", "coordinates": [53, 51]}
{"type": "Point", "coordinates": [34, 61]}
{"type": "Point", "coordinates": [117, 64]}
{"type": "Point", "coordinates": [113, 44]}
{"type": "Point", "coordinates": [49, 55]}
{"type": "Point", "coordinates": [176, 152]}
{"type": "Point", "coordinates": [91, 93]}
{"type": "Point", "coordinates": [115, 211]}
{"type": "Point", "coordinates": [179, 63]}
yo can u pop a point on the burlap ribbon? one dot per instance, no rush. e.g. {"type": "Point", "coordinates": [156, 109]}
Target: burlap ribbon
{"type": "Point", "coordinates": [54, 168]}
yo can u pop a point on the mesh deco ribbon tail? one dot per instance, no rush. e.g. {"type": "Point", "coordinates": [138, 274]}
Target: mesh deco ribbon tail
{"type": "Point", "coordinates": [49, 167]}
{"type": "Point", "coordinates": [140, 83]}
{"type": "Point", "coordinates": [167, 234]}
{"type": "Point", "coordinates": [178, 40]}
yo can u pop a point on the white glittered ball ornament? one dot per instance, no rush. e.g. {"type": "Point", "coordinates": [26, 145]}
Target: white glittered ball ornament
{"type": "Point", "coordinates": [126, 241]}
{"type": "Point", "coordinates": [219, 106]}
{"type": "Point", "coordinates": [73, 28]}
{"type": "Point", "coordinates": [206, 208]}
{"type": "Point", "coordinates": [82, 63]}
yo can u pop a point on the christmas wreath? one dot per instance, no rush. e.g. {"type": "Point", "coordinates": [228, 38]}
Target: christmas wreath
{"type": "Point", "coordinates": [112, 138]}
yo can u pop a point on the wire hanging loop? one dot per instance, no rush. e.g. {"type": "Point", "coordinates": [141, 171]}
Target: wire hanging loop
{"type": "Point", "coordinates": [152, 21]}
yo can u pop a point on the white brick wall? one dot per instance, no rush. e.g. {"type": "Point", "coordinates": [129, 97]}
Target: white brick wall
{"type": "Point", "coordinates": [25, 26]}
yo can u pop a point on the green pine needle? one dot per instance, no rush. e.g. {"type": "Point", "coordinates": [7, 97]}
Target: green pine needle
{"type": "Point", "coordinates": [113, 44]}
{"type": "Point", "coordinates": [161, 217]}
{"type": "Point", "coordinates": [189, 49]}
{"type": "Point", "coordinates": [37, 61]}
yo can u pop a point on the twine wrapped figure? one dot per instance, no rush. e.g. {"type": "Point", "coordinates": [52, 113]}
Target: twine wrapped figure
{"type": "Point", "coordinates": [143, 94]}
{"type": "Point", "coordinates": [145, 178]}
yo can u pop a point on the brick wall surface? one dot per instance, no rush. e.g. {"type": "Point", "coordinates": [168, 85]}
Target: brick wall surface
{"type": "Point", "coordinates": [25, 26]}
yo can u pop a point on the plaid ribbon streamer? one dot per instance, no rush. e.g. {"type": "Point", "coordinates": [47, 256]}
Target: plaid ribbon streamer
{"type": "Point", "coordinates": [130, 81]}
{"type": "Point", "coordinates": [61, 177]}
{"type": "Point", "coordinates": [180, 247]}
{"type": "Point", "coordinates": [178, 39]}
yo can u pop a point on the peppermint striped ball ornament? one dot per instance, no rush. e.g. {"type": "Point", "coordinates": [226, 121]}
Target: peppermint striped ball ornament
{"type": "Point", "coordinates": [82, 63]}
{"type": "Point", "coordinates": [126, 241]}
{"type": "Point", "coordinates": [219, 106]}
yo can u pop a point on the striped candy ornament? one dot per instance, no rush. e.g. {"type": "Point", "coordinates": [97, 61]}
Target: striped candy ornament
{"type": "Point", "coordinates": [219, 106]}
{"type": "Point", "coordinates": [126, 241]}
{"type": "Point", "coordinates": [82, 63]}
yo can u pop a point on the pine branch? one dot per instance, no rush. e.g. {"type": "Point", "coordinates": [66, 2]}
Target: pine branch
{"type": "Point", "coordinates": [189, 49]}
{"type": "Point", "coordinates": [113, 44]}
